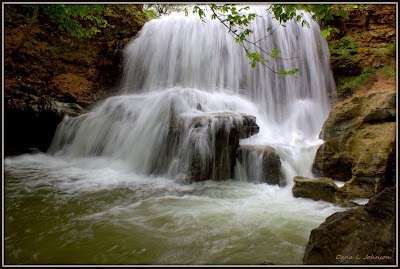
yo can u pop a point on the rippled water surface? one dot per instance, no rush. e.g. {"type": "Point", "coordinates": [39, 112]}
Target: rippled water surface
{"type": "Point", "coordinates": [61, 211]}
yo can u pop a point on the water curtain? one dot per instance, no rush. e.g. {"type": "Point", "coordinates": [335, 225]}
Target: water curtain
{"type": "Point", "coordinates": [184, 81]}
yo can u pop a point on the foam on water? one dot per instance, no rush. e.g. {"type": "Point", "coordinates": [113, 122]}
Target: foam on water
{"type": "Point", "coordinates": [127, 218]}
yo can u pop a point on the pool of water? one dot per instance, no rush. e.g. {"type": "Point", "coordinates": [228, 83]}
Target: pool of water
{"type": "Point", "coordinates": [92, 211]}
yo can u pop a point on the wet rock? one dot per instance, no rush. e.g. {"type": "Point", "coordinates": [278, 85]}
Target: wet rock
{"type": "Point", "coordinates": [30, 123]}
{"type": "Point", "coordinates": [60, 109]}
{"type": "Point", "coordinates": [317, 189]}
{"type": "Point", "coordinates": [359, 137]}
{"type": "Point", "coordinates": [364, 235]}
{"type": "Point", "coordinates": [260, 164]}
{"type": "Point", "coordinates": [213, 142]}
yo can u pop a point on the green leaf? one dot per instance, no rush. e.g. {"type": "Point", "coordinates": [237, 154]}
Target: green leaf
{"type": "Point", "coordinates": [275, 53]}
{"type": "Point", "coordinates": [289, 72]}
{"type": "Point", "coordinates": [325, 33]}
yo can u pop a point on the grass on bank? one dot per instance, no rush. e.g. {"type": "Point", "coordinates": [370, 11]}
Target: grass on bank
{"type": "Point", "coordinates": [349, 85]}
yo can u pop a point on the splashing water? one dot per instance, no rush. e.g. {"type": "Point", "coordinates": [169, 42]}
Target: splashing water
{"type": "Point", "coordinates": [107, 185]}
{"type": "Point", "coordinates": [178, 64]}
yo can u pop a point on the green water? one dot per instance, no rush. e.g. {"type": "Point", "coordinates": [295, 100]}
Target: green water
{"type": "Point", "coordinates": [149, 220]}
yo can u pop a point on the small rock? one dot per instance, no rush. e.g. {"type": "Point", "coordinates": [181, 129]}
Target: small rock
{"type": "Point", "coordinates": [317, 189]}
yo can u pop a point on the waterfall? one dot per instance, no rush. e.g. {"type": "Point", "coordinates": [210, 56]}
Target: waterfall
{"type": "Point", "coordinates": [179, 69]}
{"type": "Point", "coordinates": [113, 186]}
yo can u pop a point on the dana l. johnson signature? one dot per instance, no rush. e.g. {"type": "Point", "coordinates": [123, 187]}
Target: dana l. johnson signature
{"type": "Point", "coordinates": [366, 257]}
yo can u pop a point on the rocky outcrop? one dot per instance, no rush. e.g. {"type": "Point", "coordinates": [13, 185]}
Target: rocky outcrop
{"type": "Point", "coordinates": [359, 137]}
{"type": "Point", "coordinates": [30, 123]}
{"type": "Point", "coordinates": [213, 143]}
{"type": "Point", "coordinates": [260, 164]}
{"type": "Point", "coordinates": [363, 40]}
{"type": "Point", "coordinates": [364, 235]}
{"type": "Point", "coordinates": [317, 189]}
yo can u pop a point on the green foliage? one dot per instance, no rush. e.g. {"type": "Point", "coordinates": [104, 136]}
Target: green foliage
{"type": "Point", "coordinates": [388, 72]}
{"type": "Point", "coordinates": [326, 32]}
{"type": "Point", "coordinates": [255, 58]}
{"type": "Point", "coordinates": [380, 52]}
{"type": "Point", "coordinates": [284, 13]}
{"type": "Point", "coordinates": [150, 14]}
{"type": "Point", "coordinates": [200, 11]}
{"type": "Point", "coordinates": [346, 43]}
{"type": "Point", "coordinates": [350, 85]}
{"type": "Point", "coordinates": [392, 48]}
{"type": "Point", "coordinates": [388, 52]}
{"type": "Point", "coordinates": [322, 13]}
{"type": "Point", "coordinates": [275, 53]}
{"type": "Point", "coordinates": [290, 72]}
{"type": "Point", "coordinates": [345, 47]}
{"type": "Point", "coordinates": [127, 13]}
{"type": "Point", "coordinates": [80, 21]}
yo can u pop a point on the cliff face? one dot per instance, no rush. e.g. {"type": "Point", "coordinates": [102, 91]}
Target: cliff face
{"type": "Point", "coordinates": [54, 74]}
{"type": "Point", "coordinates": [363, 40]}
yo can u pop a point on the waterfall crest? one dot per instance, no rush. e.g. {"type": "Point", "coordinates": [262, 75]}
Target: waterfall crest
{"type": "Point", "coordinates": [179, 68]}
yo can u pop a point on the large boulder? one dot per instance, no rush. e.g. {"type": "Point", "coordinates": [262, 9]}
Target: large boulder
{"type": "Point", "coordinates": [260, 164]}
{"type": "Point", "coordinates": [213, 140]}
{"type": "Point", "coordinates": [317, 189]}
{"type": "Point", "coordinates": [363, 235]}
{"type": "Point", "coordinates": [359, 137]}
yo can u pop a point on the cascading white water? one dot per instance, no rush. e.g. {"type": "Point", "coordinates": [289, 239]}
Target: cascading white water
{"type": "Point", "coordinates": [178, 63]}
{"type": "Point", "coordinates": [105, 192]}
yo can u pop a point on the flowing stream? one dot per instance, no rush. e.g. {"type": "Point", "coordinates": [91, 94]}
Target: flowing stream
{"type": "Point", "coordinates": [106, 192]}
